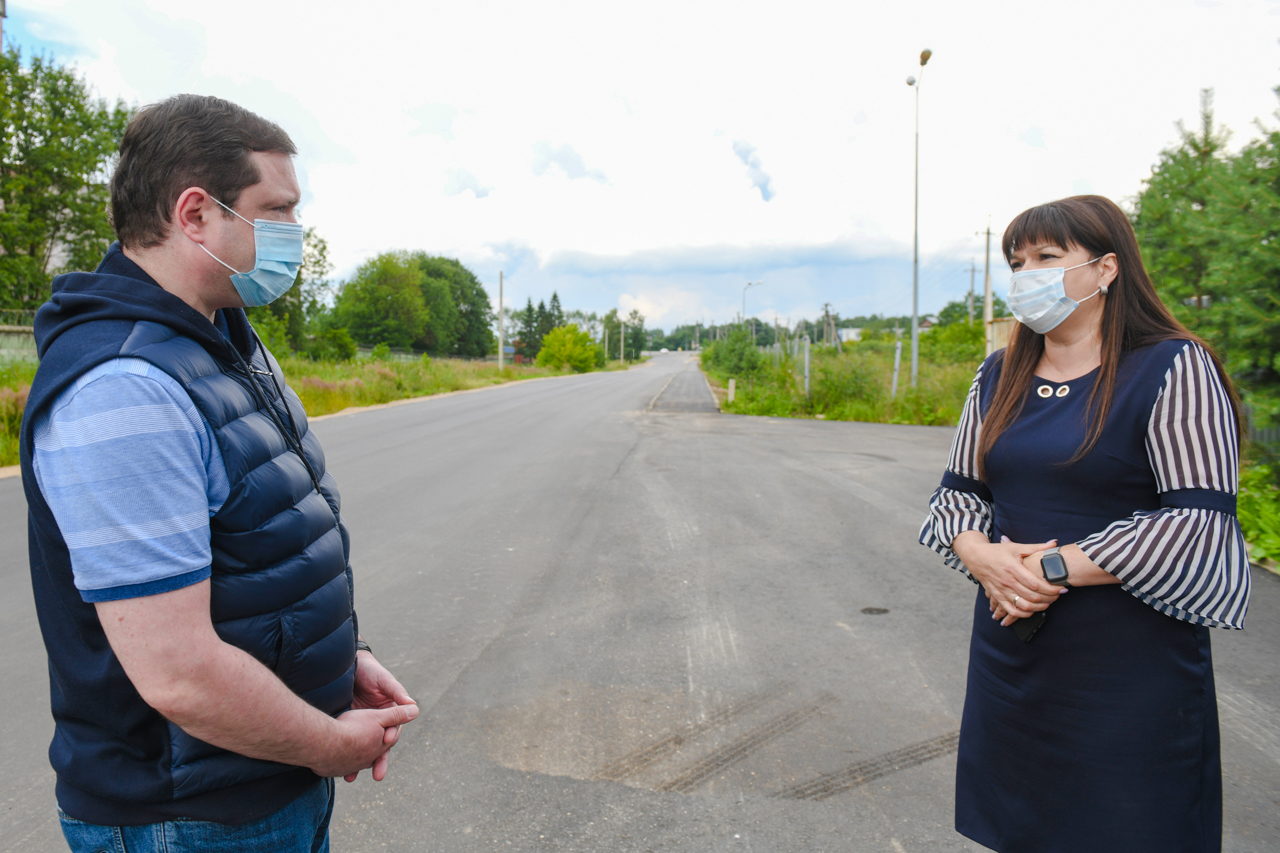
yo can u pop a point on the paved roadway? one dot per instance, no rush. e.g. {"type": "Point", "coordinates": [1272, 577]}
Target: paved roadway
{"type": "Point", "coordinates": [636, 624]}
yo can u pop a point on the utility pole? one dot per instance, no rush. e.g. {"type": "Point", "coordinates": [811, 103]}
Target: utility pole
{"type": "Point", "coordinates": [973, 269]}
{"type": "Point", "coordinates": [987, 313]}
{"type": "Point", "coordinates": [622, 336]}
{"type": "Point", "coordinates": [2, 17]}
{"type": "Point", "coordinates": [501, 349]}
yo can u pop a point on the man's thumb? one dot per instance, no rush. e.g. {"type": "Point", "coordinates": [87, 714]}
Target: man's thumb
{"type": "Point", "coordinates": [397, 715]}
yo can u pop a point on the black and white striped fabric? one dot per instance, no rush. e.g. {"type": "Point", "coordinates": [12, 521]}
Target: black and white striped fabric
{"type": "Point", "coordinates": [1187, 561]}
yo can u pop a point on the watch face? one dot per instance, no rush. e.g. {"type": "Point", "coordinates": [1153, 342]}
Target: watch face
{"type": "Point", "coordinates": [1055, 568]}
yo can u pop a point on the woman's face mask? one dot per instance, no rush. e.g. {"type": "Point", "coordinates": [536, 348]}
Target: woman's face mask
{"type": "Point", "coordinates": [1039, 300]}
{"type": "Point", "coordinates": [278, 250]}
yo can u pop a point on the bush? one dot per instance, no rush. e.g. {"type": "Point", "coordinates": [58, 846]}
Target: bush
{"type": "Point", "coordinates": [333, 345]}
{"type": "Point", "coordinates": [735, 356]}
{"type": "Point", "coordinates": [381, 352]}
{"type": "Point", "coordinates": [567, 346]}
{"type": "Point", "coordinates": [956, 343]}
{"type": "Point", "coordinates": [1258, 508]}
{"type": "Point", "coordinates": [274, 332]}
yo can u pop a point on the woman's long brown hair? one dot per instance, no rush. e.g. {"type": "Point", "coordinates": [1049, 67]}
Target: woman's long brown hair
{"type": "Point", "coordinates": [1132, 316]}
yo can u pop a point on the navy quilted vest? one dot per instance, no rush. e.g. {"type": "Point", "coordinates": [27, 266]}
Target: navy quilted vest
{"type": "Point", "coordinates": [281, 586]}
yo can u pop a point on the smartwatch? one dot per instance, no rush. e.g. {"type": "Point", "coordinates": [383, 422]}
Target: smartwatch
{"type": "Point", "coordinates": [1054, 567]}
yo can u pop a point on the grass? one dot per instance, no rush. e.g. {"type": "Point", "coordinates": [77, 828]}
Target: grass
{"type": "Point", "coordinates": [854, 386]}
{"type": "Point", "coordinates": [15, 382]}
{"type": "Point", "coordinates": [327, 387]}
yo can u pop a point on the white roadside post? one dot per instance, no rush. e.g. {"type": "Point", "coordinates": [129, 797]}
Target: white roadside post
{"type": "Point", "coordinates": [897, 361]}
{"type": "Point", "coordinates": [806, 367]}
{"type": "Point", "coordinates": [732, 389]}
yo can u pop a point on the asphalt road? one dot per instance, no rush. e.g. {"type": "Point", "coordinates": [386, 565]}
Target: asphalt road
{"type": "Point", "coordinates": [633, 623]}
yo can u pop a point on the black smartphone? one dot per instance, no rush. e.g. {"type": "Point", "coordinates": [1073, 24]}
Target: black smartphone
{"type": "Point", "coordinates": [1026, 628]}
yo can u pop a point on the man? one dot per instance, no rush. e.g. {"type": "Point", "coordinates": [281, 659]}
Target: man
{"type": "Point", "coordinates": [189, 561]}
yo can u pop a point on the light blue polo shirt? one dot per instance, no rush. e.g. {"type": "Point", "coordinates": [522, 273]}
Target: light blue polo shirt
{"type": "Point", "coordinates": [132, 475]}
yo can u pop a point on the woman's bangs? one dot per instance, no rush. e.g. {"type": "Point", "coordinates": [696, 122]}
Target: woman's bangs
{"type": "Point", "coordinates": [1036, 226]}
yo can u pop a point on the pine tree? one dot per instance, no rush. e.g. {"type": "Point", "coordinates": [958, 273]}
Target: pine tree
{"type": "Point", "coordinates": [557, 315]}
{"type": "Point", "coordinates": [529, 332]}
{"type": "Point", "coordinates": [544, 322]}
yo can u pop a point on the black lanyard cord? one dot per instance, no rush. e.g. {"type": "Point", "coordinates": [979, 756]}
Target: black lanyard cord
{"type": "Point", "coordinates": [291, 435]}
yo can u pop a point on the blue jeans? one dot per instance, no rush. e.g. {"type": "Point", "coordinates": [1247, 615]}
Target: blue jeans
{"type": "Point", "coordinates": [300, 827]}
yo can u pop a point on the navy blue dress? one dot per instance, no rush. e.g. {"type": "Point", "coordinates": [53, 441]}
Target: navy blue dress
{"type": "Point", "coordinates": [1101, 733]}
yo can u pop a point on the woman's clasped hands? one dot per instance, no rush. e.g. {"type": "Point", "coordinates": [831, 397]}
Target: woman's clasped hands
{"type": "Point", "coordinates": [1010, 574]}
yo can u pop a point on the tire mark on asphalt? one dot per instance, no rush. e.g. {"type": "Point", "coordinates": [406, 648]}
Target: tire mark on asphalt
{"type": "Point", "coordinates": [633, 762]}
{"type": "Point", "coordinates": [829, 784]}
{"type": "Point", "coordinates": [742, 747]}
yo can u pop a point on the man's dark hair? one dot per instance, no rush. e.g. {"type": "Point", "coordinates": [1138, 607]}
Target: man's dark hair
{"type": "Point", "coordinates": [181, 142]}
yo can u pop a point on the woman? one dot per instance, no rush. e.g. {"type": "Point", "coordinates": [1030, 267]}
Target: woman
{"type": "Point", "coordinates": [1098, 451]}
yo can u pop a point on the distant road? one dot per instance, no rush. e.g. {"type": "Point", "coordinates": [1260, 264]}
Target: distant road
{"type": "Point", "coordinates": [636, 624]}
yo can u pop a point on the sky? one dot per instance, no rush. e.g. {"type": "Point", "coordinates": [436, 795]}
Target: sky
{"type": "Point", "coordinates": [660, 155]}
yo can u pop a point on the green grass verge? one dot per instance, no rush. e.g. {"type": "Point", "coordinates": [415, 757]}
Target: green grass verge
{"type": "Point", "coordinates": [853, 386]}
{"type": "Point", "coordinates": [325, 387]}
{"type": "Point", "coordinates": [15, 382]}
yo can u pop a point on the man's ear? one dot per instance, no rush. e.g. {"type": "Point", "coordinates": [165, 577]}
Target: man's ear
{"type": "Point", "coordinates": [194, 212]}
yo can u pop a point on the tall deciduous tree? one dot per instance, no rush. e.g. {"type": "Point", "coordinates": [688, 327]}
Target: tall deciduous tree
{"type": "Point", "coordinates": [383, 302]}
{"type": "Point", "coordinates": [440, 336]}
{"type": "Point", "coordinates": [473, 329]}
{"type": "Point", "coordinates": [57, 144]}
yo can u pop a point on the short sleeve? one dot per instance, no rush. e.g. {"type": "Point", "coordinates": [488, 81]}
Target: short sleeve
{"type": "Point", "coordinates": [132, 476]}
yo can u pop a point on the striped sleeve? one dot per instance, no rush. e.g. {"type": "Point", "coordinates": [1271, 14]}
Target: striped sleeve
{"type": "Point", "coordinates": [962, 502]}
{"type": "Point", "coordinates": [1187, 559]}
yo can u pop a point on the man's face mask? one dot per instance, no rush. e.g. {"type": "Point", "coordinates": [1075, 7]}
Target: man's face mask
{"type": "Point", "coordinates": [278, 249]}
{"type": "Point", "coordinates": [1038, 299]}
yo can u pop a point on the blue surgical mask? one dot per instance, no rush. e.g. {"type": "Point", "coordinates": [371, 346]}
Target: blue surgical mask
{"type": "Point", "coordinates": [278, 247]}
{"type": "Point", "coordinates": [1038, 299]}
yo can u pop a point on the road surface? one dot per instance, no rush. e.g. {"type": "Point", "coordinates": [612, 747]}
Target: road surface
{"type": "Point", "coordinates": [633, 623]}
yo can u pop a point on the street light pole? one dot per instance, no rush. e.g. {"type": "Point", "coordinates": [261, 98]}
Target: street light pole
{"type": "Point", "coordinates": [915, 237]}
{"type": "Point", "coordinates": [744, 299]}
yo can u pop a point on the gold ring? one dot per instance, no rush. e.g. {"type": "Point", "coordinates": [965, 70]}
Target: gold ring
{"type": "Point", "coordinates": [1015, 600]}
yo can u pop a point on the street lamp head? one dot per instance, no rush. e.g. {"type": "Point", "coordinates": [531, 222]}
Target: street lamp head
{"type": "Point", "coordinates": [911, 81]}
{"type": "Point", "coordinates": [924, 57]}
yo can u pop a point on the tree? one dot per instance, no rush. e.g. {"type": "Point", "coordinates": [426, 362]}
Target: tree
{"type": "Point", "coordinates": [1242, 281]}
{"type": "Point", "coordinates": [557, 315]}
{"type": "Point", "coordinates": [566, 345]}
{"type": "Point", "coordinates": [958, 311]}
{"type": "Point", "coordinates": [637, 340]}
{"type": "Point", "coordinates": [56, 152]}
{"type": "Point", "coordinates": [529, 331]}
{"type": "Point", "coordinates": [383, 302]}
{"type": "Point", "coordinates": [440, 336]}
{"type": "Point", "coordinates": [543, 324]}
{"type": "Point", "coordinates": [473, 329]}
{"type": "Point", "coordinates": [1174, 219]}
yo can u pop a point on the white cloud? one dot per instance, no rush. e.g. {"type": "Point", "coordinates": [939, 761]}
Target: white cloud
{"type": "Point", "coordinates": [759, 179]}
{"type": "Point", "coordinates": [597, 133]}
{"type": "Point", "coordinates": [565, 161]}
{"type": "Point", "coordinates": [460, 180]}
